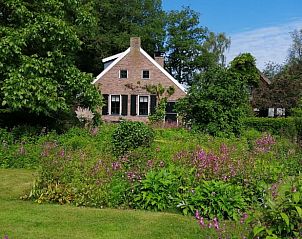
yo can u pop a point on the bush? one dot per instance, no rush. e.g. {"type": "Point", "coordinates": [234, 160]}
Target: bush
{"type": "Point", "coordinates": [218, 199]}
{"type": "Point", "coordinates": [158, 189]}
{"type": "Point", "coordinates": [130, 135]}
{"type": "Point", "coordinates": [278, 126]}
{"type": "Point", "coordinates": [282, 216]}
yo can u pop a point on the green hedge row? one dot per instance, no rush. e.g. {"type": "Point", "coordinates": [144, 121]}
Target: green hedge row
{"type": "Point", "coordinates": [290, 127]}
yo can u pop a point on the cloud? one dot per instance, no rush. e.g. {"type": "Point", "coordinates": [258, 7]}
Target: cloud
{"type": "Point", "coordinates": [265, 44]}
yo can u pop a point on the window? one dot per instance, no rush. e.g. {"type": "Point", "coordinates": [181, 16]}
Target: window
{"type": "Point", "coordinates": [171, 115]}
{"type": "Point", "coordinates": [146, 74]}
{"type": "Point", "coordinates": [115, 105]}
{"type": "Point", "coordinates": [123, 74]}
{"type": "Point", "coordinates": [143, 105]}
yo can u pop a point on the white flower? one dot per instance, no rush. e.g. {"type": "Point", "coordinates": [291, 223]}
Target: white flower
{"type": "Point", "coordinates": [84, 114]}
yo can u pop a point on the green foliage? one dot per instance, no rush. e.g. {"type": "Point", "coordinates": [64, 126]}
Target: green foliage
{"type": "Point", "coordinates": [67, 176]}
{"type": "Point", "coordinates": [184, 43]}
{"type": "Point", "coordinates": [191, 48]}
{"type": "Point", "coordinates": [219, 199]}
{"type": "Point", "coordinates": [245, 65]}
{"type": "Point", "coordinates": [21, 147]}
{"type": "Point", "coordinates": [162, 95]}
{"type": "Point", "coordinates": [38, 45]}
{"type": "Point", "coordinates": [285, 90]}
{"type": "Point", "coordinates": [216, 103]}
{"type": "Point", "coordinates": [181, 171]}
{"type": "Point", "coordinates": [282, 216]}
{"type": "Point", "coordinates": [278, 126]}
{"type": "Point", "coordinates": [157, 190]}
{"type": "Point", "coordinates": [130, 135]}
{"type": "Point", "coordinates": [160, 112]}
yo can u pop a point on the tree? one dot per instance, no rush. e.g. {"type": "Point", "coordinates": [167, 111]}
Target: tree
{"type": "Point", "coordinates": [286, 88]}
{"type": "Point", "coordinates": [118, 20]}
{"type": "Point", "coordinates": [190, 47]}
{"type": "Point", "coordinates": [216, 102]}
{"type": "Point", "coordinates": [295, 51]}
{"type": "Point", "coordinates": [245, 65]}
{"type": "Point", "coordinates": [271, 70]}
{"type": "Point", "coordinates": [39, 42]}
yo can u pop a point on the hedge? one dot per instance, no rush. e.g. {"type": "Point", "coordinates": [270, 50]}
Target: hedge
{"type": "Point", "coordinates": [290, 127]}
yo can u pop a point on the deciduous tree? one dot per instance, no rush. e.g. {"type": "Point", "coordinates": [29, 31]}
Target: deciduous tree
{"type": "Point", "coordinates": [39, 41]}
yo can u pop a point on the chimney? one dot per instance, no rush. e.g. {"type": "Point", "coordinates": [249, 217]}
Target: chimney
{"type": "Point", "coordinates": [159, 58]}
{"type": "Point", "coordinates": [135, 43]}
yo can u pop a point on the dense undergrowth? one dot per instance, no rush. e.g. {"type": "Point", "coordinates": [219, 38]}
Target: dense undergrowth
{"type": "Point", "coordinates": [254, 179]}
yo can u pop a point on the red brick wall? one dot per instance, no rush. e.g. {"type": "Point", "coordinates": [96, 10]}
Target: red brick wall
{"type": "Point", "coordinates": [135, 62]}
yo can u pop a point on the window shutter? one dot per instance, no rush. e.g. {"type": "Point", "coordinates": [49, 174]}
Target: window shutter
{"type": "Point", "coordinates": [124, 104]}
{"type": "Point", "coordinates": [105, 107]}
{"type": "Point", "coordinates": [152, 104]}
{"type": "Point", "coordinates": [133, 105]}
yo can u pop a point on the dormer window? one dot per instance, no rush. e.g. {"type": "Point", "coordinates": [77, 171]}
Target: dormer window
{"type": "Point", "coordinates": [146, 74]}
{"type": "Point", "coordinates": [123, 74]}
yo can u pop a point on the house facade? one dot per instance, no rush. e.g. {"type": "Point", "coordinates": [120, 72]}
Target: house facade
{"type": "Point", "coordinates": [123, 84]}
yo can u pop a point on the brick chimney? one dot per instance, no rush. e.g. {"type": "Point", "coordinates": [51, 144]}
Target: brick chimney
{"type": "Point", "coordinates": [159, 58]}
{"type": "Point", "coordinates": [135, 43]}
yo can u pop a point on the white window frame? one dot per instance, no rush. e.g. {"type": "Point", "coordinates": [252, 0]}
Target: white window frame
{"type": "Point", "coordinates": [143, 75]}
{"type": "Point", "coordinates": [109, 104]}
{"type": "Point", "coordinates": [119, 73]}
{"type": "Point", "coordinates": [138, 97]}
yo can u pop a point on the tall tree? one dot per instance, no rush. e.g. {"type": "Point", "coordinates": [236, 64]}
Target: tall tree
{"type": "Point", "coordinates": [190, 47]}
{"type": "Point", "coordinates": [295, 51]}
{"type": "Point", "coordinates": [216, 102]}
{"type": "Point", "coordinates": [39, 41]}
{"type": "Point", "coordinates": [118, 21]}
{"type": "Point", "coordinates": [286, 88]}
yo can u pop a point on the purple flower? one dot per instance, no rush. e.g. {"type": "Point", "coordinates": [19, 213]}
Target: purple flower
{"type": "Point", "coordinates": [150, 163]}
{"type": "Point", "coordinates": [116, 166]}
{"type": "Point", "coordinates": [62, 153]}
{"type": "Point", "coordinates": [197, 216]}
{"type": "Point", "coordinates": [265, 143]}
{"type": "Point", "coordinates": [243, 218]}
{"type": "Point", "coordinates": [215, 222]}
{"type": "Point", "coordinates": [201, 222]}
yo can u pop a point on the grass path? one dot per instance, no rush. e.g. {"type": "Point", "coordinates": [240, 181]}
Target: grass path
{"type": "Point", "coordinates": [24, 219]}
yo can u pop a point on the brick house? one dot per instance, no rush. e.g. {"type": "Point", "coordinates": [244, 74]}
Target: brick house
{"type": "Point", "coordinates": [123, 81]}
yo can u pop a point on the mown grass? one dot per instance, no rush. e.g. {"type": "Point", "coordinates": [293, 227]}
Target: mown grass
{"type": "Point", "coordinates": [25, 219]}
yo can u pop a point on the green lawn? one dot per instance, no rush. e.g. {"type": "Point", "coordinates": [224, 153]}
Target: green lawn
{"type": "Point", "coordinates": [24, 219]}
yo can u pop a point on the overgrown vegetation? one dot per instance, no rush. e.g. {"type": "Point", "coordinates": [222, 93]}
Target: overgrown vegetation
{"type": "Point", "coordinates": [181, 171]}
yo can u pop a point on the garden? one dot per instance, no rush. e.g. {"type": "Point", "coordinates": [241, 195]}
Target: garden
{"type": "Point", "coordinates": [219, 187]}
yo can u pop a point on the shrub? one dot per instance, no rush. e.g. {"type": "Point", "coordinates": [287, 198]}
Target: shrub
{"type": "Point", "coordinates": [130, 135]}
{"type": "Point", "coordinates": [277, 126]}
{"type": "Point", "coordinates": [218, 199]}
{"type": "Point", "coordinates": [282, 216]}
{"type": "Point", "coordinates": [163, 188]}
{"type": "Point", "coordinates": [6, 137]}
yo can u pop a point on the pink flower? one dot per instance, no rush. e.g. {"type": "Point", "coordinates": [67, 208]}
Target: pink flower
{"type": "Point", "coordinates": [215, 222]}
{"type": "Point", "coordinates": [201, 222]}
{"type": "Point", "coordinates": [197, 216]}
{"type": "Point", "coordinates": [116, 166]}
{"type": "Point", "coordinates": [243, 218]}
